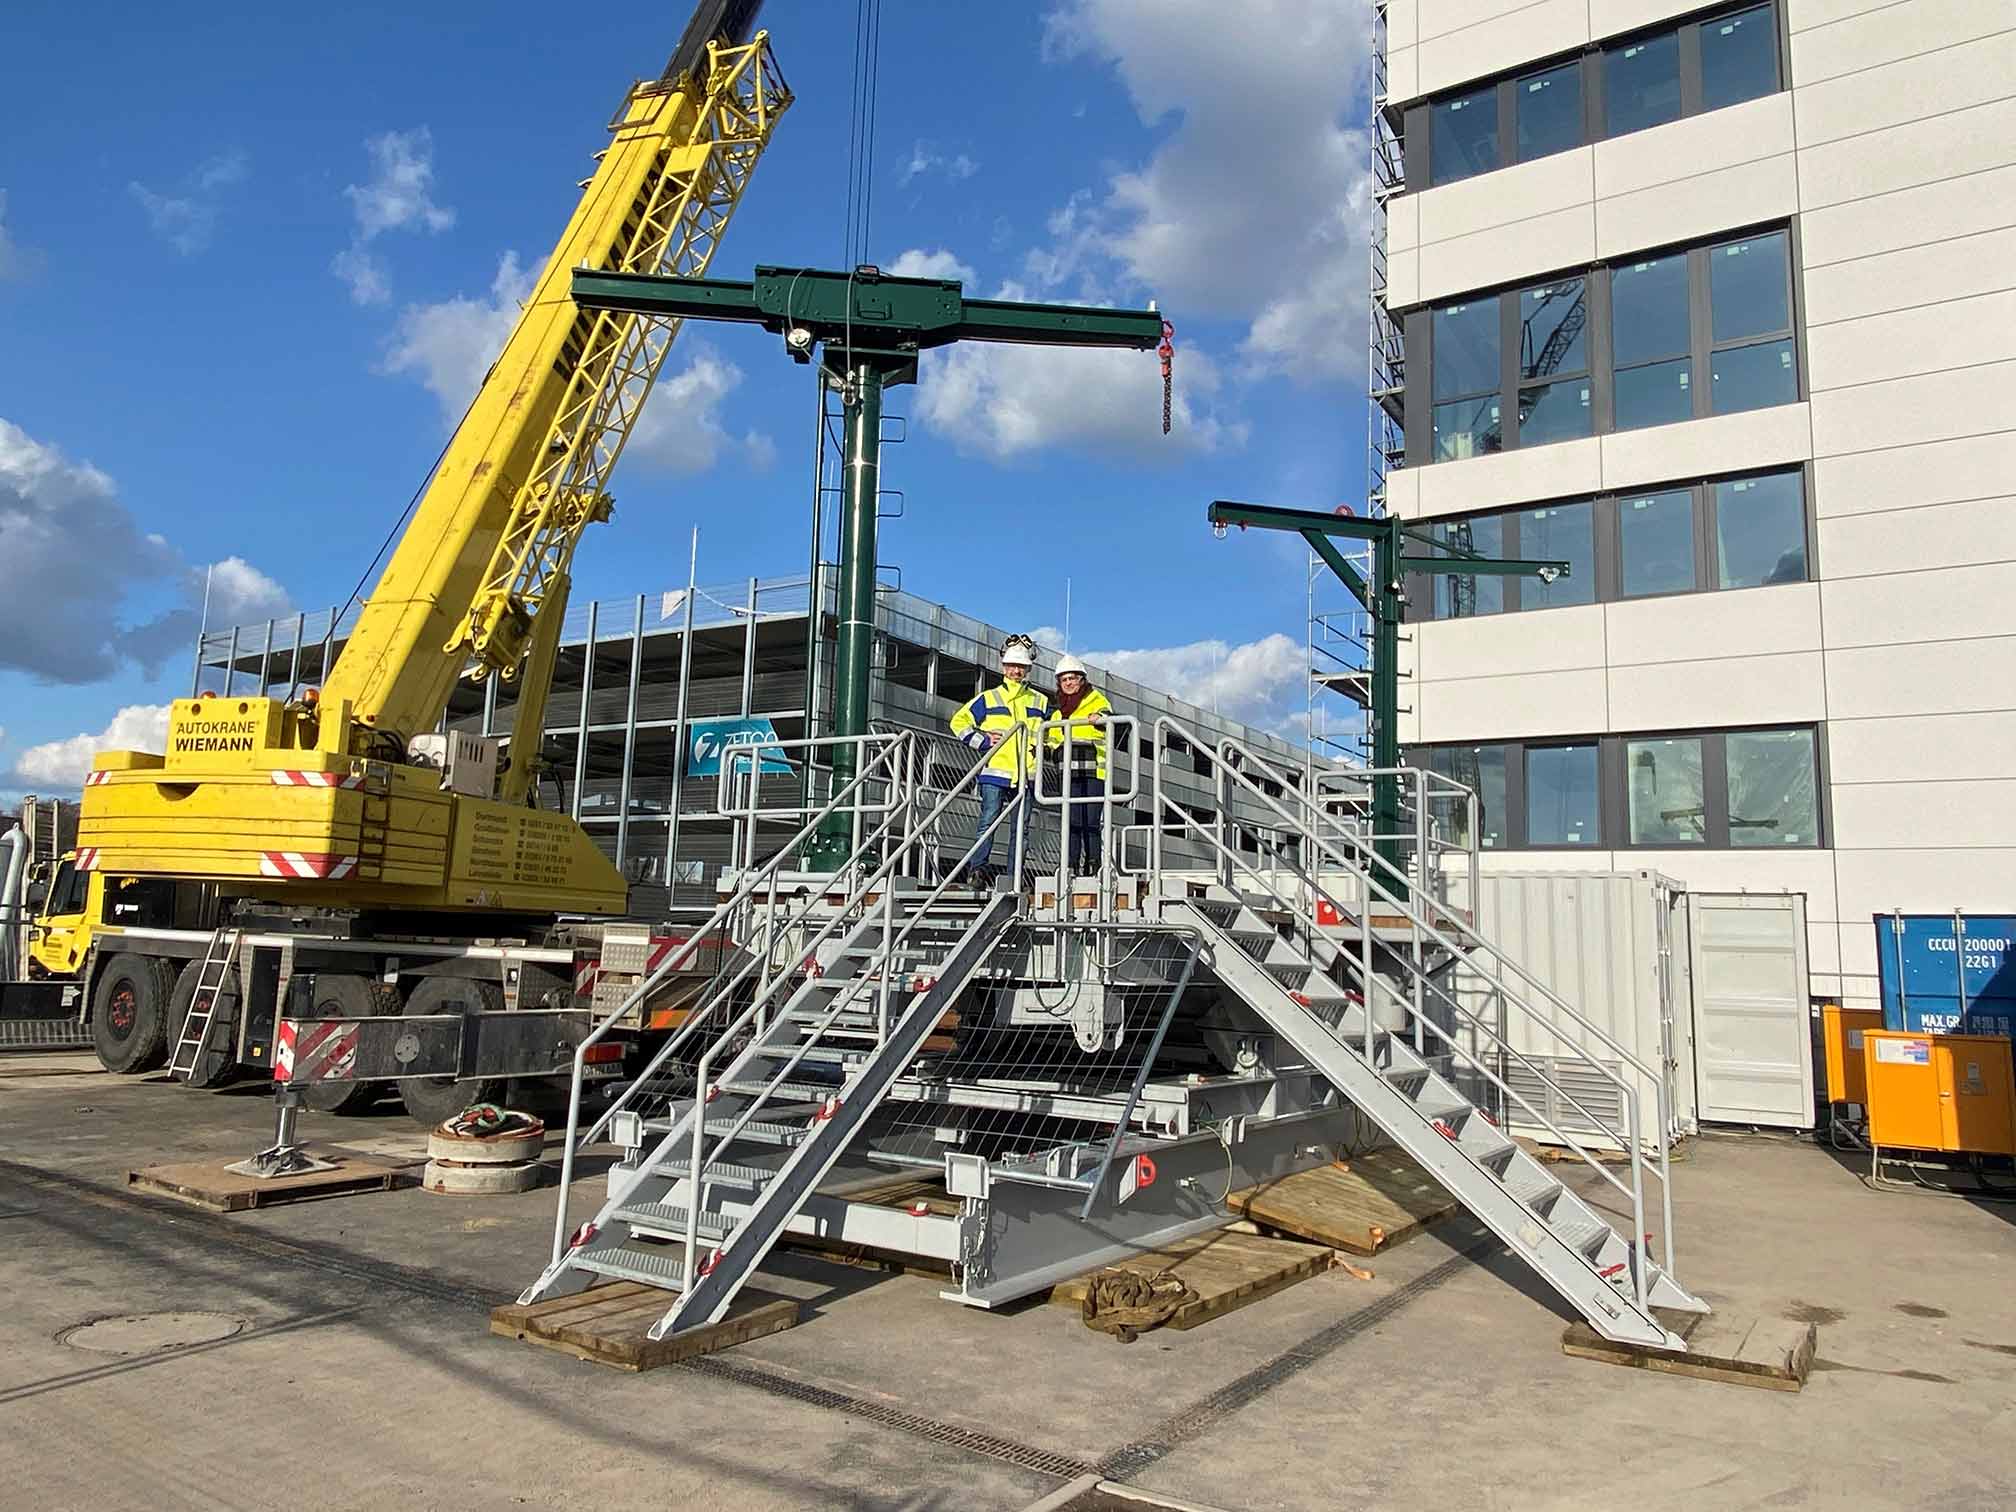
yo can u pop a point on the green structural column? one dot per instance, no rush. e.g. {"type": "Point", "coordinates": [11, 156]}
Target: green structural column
{"type": "Point", "coordinates": [854, 649]}
{"type": "Point", "coordinates": [1384, 714]}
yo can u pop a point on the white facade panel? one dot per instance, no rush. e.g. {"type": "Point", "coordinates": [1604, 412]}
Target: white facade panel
{"type": "Point", "coordinates": [1887, 35]}
{"type": "Point", "coordinates": [1702, 448]}
{"type": "Point", "coordinates": [1932, 747]}
{"type": "Point", "coordinates": [1867, 682]}
{"type": "Point", "coordinates": [1967, 141]}
{"type": "Point", "coordinates": [1907, 411]}
{"type": "Point", "coordinates": [1911, 89]}
{"type": "Point", "coordinates": [1611, 18]}
{"type": "Point", "coordinates": [1517, 250]}
{"type": "Point", "coordinates": [1403, 74]}
{"type": "Point", "coordinates": [1403, 280]}
{"type": "Point", "coordinates": [1478, 49]}
{"type": "Point", "coordinates": [1738, 690]}
{"type": "Point", "coordinates": [1936, 472]}
{"type": "Point", "coordinates": [1959, 333]}
{"type": "Point", "coordinates": [1910, 814]}
{"type": "Point", "coordinates": [1916, 881]}
{"type": "Point", "coordinates": [1688, 627]}
{"type": "Point", "coordinates": [1920, 215]}
{"type": "Point", "coordinates": [1804, 15]}
{"type": "Point", "coordinates": [1560, 471]}
{"type": "Point", "coordinates": [1697, 207]}
{"type": "Point", "coordinates": [1403, 19]}
{"type": "Point", "coordinates": [1509, 196]}
{"type": "Point", "coordinates": [1962, 268]}
{"type": "Point", "coordinates": [1915, 540]}
{"type": "Point", "coordinates": [1403, 223]}
{"type": "Point", "coordinates": [1512, 645]}
{"type": "Point", "coordinates": [1685, 149]}
{"type": "Point", "coordinates": [1489, 708]}
{"type": "Point", "coordinates": [1954, 604]}
{"type": "Point", "coordinates": [1809, 873]}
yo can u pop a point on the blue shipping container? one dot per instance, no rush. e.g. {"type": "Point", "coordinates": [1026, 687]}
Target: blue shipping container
{"type": "Point", "coordinates": [1947, 973]}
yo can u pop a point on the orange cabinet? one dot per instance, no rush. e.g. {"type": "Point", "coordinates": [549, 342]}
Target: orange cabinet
{"type": "Point", "coordinates": [1953, 1092]}
{"type": "Point", "coordinates": [1842, 1030]}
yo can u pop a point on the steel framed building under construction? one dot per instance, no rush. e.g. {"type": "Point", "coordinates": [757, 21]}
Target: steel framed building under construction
{"type": "Point", "coordinates": [639, 678]}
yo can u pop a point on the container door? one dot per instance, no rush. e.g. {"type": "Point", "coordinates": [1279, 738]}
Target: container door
{"type": "Point", "coordinates": [1753, 1062]}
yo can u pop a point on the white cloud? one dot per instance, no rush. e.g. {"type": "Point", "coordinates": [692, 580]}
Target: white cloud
{"type": "Point", "coordinates": [1254, 682]}
{"type": "Point", "coordinates": [186, 218]}
{"type": "Point", "coordinates": [926, 158]}
{"type": "Point", "coordinates": [1249, 211]}
{"type": "Point", "coordinates": [450, 346]}
{"type": "Point", "coordinates": [72, 557]}
{"type": "Point", "coordinates": [240, 593]}
{"type": "Point", "coordinates": [398, 197]}
{"type": "Point", "coordinates": [1005, 401]}
{"type": "Point", "coordinates": [938, 263]}
{"type": "Point", "coordinates": [61, 764]}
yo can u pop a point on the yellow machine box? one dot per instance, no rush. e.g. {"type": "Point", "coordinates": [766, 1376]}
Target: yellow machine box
{"type": "Point", "coordinates": [1952, 1092]}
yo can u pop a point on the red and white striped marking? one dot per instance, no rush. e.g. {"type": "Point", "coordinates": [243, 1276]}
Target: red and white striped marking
{"type": "Point", "coordinates": [314, 1051]}
{"type": "Point", "coordinates": [87, 858]}
{"type": "Point", "coordinates": [587, 971]}
{"type": "Point", "coordinates": [317, 779]}
{"type": "Point", "coordinates": [96, 779]}
{"type": "Point", "coordinates": [322, 865]}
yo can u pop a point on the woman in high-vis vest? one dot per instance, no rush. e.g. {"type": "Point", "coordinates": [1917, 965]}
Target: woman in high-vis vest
{"type": "Point", "coordinates": [1004, 719]}
{"type": "Point", "coordinates": [1086, 708]}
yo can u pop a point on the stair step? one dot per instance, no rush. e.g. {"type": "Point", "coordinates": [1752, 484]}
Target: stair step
{"type": "Point", "coordinates": [622, 1262]}
{"type": "Point", "coordinates": [810, 1092]}
{"type": "Point", "coordinates": [760, 1133]}
{"type": "Point", "coordinates": [1583, 1235]}
{"type": "Point", "coordinates": [749, 1178]}
{"type": "Point", "coordinates": [830, 1055]}
{"type": "Point", "coordinates": [1529, 1184]}
{"type": "Point", "coordinates": [664, 1217]}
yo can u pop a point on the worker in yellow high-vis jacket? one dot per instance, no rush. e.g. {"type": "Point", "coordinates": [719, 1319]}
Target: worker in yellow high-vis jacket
{"type": "Point", "coordinates": [1085, 709]}
{"type": "Point", "coordinates": [1003, 719]}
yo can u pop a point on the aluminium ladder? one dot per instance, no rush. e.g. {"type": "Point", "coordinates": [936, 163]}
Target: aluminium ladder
{"type": "Point", "coordinates": [741, 1157]}
{"type": "Point", "coordinates": [212, 977]}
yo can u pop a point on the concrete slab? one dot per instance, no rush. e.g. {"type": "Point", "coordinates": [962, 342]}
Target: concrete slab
{"type": "Point", "coordinates": [1440, 1382]}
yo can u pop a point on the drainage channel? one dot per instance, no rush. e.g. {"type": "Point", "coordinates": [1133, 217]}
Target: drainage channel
{"type": "Point", "coordinates": [1165, 1438]}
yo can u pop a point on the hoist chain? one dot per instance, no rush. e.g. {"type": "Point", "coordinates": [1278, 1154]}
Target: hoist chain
{"type": "Point", "coordinates": [1167, 352]}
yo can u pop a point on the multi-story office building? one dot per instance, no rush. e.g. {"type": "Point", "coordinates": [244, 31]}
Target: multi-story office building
{"type": "Point", "coordinates": [1717, 304]}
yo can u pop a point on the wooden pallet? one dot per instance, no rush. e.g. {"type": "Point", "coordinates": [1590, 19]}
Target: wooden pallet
{"type": "Point", "coordinates": [1227, 1270]}
{"type": "Point", "coordinates": [207, 1184]}
{"type": "Point", "coordinates": [608, 1324]}
{"type": "Point", "coordinates": [1368, 1203]}
{"type": "Point", "coordinates": [1768, 1352]}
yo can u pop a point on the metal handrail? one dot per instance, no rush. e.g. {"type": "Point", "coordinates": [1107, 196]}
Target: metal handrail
{"type": "Point", "coordinates": [744, 886]}
{"type": "Point", "coordinates": [701, 1158]}
{"type": "Point", "coordinates": [1629, 1093]}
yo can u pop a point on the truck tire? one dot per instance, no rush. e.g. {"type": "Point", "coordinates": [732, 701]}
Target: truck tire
{"type": "Point", "coordinates": [349, 997]}
{"type": "Point", "coordinates": [218, 1064]}
{"type": "Point", "coordinates": [129, 1013]}
{"type": "Point", "coordinates": [434, 1099]}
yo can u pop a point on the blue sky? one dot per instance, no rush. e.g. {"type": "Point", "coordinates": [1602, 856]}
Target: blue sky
{"type": "Point", "coordinates": [252, 262]}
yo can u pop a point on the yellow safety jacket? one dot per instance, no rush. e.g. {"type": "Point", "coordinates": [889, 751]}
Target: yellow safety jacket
{"type": "Point", "coordinates": [1014, 710]}
{"type": "Point", "coordinates": [1088, 740]}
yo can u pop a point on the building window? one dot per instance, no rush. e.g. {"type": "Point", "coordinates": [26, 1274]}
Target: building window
{"type": "Point", "coordinates": [1696, 332]}
{"type": "Point", "coordinates": [1683, 790]}
{"type": "Point", "coordinates": [1562, 807]}
{"type": "Point", "coordinates": [1468, 380]}
{"type": "Point", "coordinates": [1646, 80]}
{"type": "Point", "coordinates": [1664, 792]}
{"type": "Point", "coordinates": [1773, 789]}
{"type": "Point", "coordinates": [1641, 83]}
{"type": "Point", "coordinates": [1465, 134]}
{"type": "Point", "coordinates": [1548, 109]}
{"type": "Point", "coordinates": [1650, 344]}
{"type": "Point", "coordinates": [1739, 58]}
{"type": "Point", "coordinates": [1727, 533]}
{"type": "Point", "coordinates": [1655, 544]}
{"type": "Point", "coordinates": [1553, 362]}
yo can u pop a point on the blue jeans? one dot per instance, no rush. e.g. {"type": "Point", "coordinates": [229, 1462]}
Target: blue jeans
{"type": "Point", "coordinates": [994, 796]}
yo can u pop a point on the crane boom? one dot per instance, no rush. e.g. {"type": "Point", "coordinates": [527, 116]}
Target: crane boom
{"type": "Point", "coordinates": [527, 469]}
{"type": "Point", "coordinates": [342, 797]}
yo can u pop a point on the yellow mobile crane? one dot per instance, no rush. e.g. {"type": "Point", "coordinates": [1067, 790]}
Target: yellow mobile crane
{"type": "Point", "coordinates": [345, 799]}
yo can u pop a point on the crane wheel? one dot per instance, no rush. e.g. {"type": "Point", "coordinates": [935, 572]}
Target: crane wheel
{"type": "Point", "coordinates": [130, 1013]}
{"type": "Point", "coordinates": [349, 997]}
{"type": "Point", "coordinates": [218, 1064]}
{"type": "Point", "coordinates": [436, 1099]}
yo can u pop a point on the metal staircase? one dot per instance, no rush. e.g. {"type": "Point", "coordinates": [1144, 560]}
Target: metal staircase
{"type": "Point", "coordinates": [736, 1164]}
{"type": "Point", "coordinates": [1367, 1016]}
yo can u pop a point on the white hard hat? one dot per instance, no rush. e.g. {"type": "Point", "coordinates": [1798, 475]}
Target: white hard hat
{"type": "Point", "coordinates": [1070, 664]}
{"type": "Point", "coordinates": [1019, 651]}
